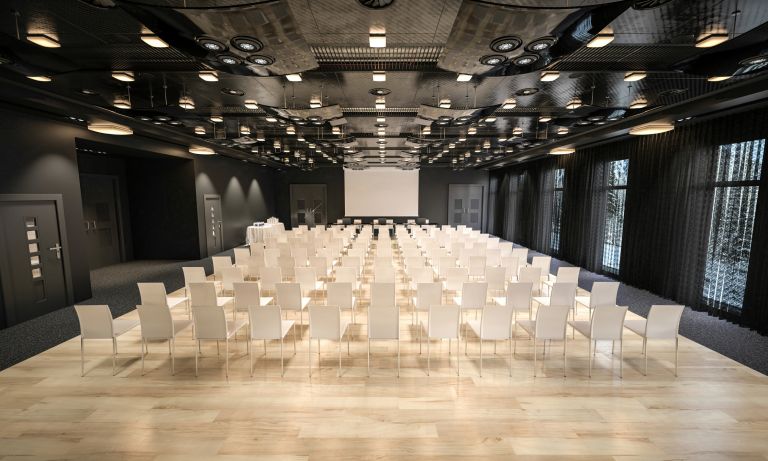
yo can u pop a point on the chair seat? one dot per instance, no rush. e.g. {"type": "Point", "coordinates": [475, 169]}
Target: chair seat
{"type": "Point", "coordinates": [542, 300]}
{"type": "Point", "coordinates": [528, 325]}
{"type": "Point", "coordinates": [175, 301]}
{"type": "Point", "coordinates": [285, 326]}
{"type": "Point", "coordinates": [636, 326]}
{"type": "Point", "coordinates": [222, 301]}
{"type": "Point", "coordinates": [120, 326]}
{"type": "Point", "coordinates": [583, 300]}
{"type": "Point", "coordinates": [500, 300]}
{"type": "Point", "coordinates": [582, 326]}
{"type": "Point", "coordinates": [234, 325]}
{"type": "Point", "coordinates": [263, 301]}
{"type": "Point", "coordinates": [179, 325]}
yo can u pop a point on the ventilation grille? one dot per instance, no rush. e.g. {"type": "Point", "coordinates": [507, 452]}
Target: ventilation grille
{"type": "Point", "coordinates": [361, 58]}
{"type": "Point", "coordinates": [623, 57]}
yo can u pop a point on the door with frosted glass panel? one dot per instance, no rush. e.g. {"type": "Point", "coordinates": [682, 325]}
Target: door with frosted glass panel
{"type": "Point", "coordinates": [465, 205]}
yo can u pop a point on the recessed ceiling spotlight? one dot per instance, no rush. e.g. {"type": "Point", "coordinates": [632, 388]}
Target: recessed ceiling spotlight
{"type": "Point", "coordinates": [208, 76]}
{"type": "Point", "coordinates": [493, 59]}
{"type": "Point", "coordinates": [380, 103]}
{"type": "Point", "coordinates": [200, 150]}
{"type": "Point", "coordinates": [379, 76]}
{"type": "Point", "coordinates": [199, 130]}
{"type": "Point", "coordinates": [245, 130]}
{"type": "Point", "coordinates": [510, 103]}
{"type": "Point", "coordinates": [562, 131]}
{"type": "Point", "coordinates": [562, 150]}
{"type": "Point", "coordinates": [260, 59]}
{"type": "Point", "coordinates": [228, 59]}
{"type": "Point", "coordinates": [39, 78]}
{"type": "Point", "coordinates": [233, 91]}
{"type": "Point", "coordinates": [110, 128]}
{"type": "Point", "coordinates": [639, 103]}
{"type": "Point", "coordinates": [517, 131]}
{"type": "Point", "coordinates": [490, 119]}
{"type": "Point", "coordinates": [545, 118]}
{"type": "Point", "coordinates": [211, 44]}
{"type": "Point", "coordinates": [251, 104]}
{"type": "Point", "coordinates": [549, 76]}
{"type": "Point", "coordinates": [122, 103]}
{"type": "Point", "coordinates": [88, 91]}
{"type": "Point", "coordinates": [44, 40]}
{"type": "Point", "coordinates": [710, 40]}
{"type": "Point", "coordinates": [526, 59]}
{"type": "Point", "coordinates": [247, 44]}
{"type": "Point", "coordinates": [381, 119]}
{"type": "Point", "coordinates": [506, 44]}
{"type": "Point", "coordinates": [186, 102]}
{"type": "Point", "coordinates": [603, 38]}
{"type": "Point", "coordinates": [123, 75]}
{"type": "Point", "coordinates": [463, 77]}
{"type": "Point", "coordinates": [574, 103]}
{"type": "Point", "coordinates": [290, 129]}
{"type": "Point", "coordinates": [315, 102]}
{"type": "Point", "coordinates": [377, 40]}
{"type": "Point", "coordinates": [445, 103]}
{"type": "Point", "coordinates": [526, 91]}
{"type": "Point", "coordinates": [270, 119]}
{"type": "Point", "coordinates": [472, 130]}
{"type": "Point", "coordinates": [540, 44]}
{"type": "Point", "coordinates": [634, 76]}
{"type": "Point", "coordinates": [293, 77]}
{"type": "Point", "coordinates": [651, 128]}
{"type": "Point", "coordinates": [216, 118]}
{"type": "Point", "coordinates": [153, 40]}
{"type": "Point", "coordinates": [718, 78]}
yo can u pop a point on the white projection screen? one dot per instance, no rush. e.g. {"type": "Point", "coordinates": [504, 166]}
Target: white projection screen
{"type": "Point", "coordinates": [381, 192]}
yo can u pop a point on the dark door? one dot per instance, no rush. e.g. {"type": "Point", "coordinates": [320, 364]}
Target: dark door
{"type": "Point", "coordinates": [213, 224]}
{"type": "Point", "coordinates": [100, 215]}
{"type": "Point", "coordinates": [308, 205]}
{"type": "Point", "coordinates": [465, 205]}
{"type": "Point", "coordinates": [31, 260]}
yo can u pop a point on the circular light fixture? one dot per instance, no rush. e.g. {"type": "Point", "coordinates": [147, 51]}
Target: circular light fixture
{"type": "Point", "coordinates": [506, 44]}
{"type": "Point", "coordinates": [380, 91]}
{"type": "Point", "coordinates": [526, 91]}
{"type": "Point", "coordinates": [210, 44]}
{"type": "Point", "coordinates": [525, 60]}
{"type": "Point", "coordinates": [492, 59]}
{"type": "Point", "coordinates": [88, 92]}
{"type": "Point", "coordinates": [541, 44]}
{"type": "Point", "coordinates": [200, 150]}
{"type": "Point", "coordinates": [247, 44]}
{"type": "Point", "coordinates": [260, 59]}
{"type": "Point", "coordinates": [380, 125]}
{"type": "Point", "coordinates": [110, 128]}
{"type": "Point", "coordinates": [228, 59]}
{"type": "Point", "coordinates": [651, 128]}
{"type": "Point", "coordinates": [233, 91]}
{"type": "Point", "coordinates": [162, 118]}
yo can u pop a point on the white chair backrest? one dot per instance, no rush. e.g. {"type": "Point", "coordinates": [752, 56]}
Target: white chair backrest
{"type": "Point", "coordinates": [202, 294]}
{"type": "Point", "coordinates": [255, 263]}
{"type": "Point", "coordinates": [428, 294]}
{"type": "Point", "coordinates": [542, 262]}
{"type": "Point", "coordinates": [270, 276]}
{"type": "Point", "coordinates": [242, 255]}
{"type": "Point", "coordinates": [603, 294]}
{"type": "Point", "coordinates": [156, 321]}
{"type": "Point", "coordinates": [95, 322]}
{"type": "Point", "coordinates": [230, 275]}
{"type": "Point", "coordinates": [444, 263]}
{"type": "Point", "coordinates": [289, 295]}
{"type": "Point", "coordinates": [246, 294]}
{"type": "Point", "coordinates": [220, 262]}
{"type": "Point", "coordinates": [346, 274]}
{"type": "Point", "coordinates": [455, 277]}
{"type": "Point", "coordinates": [265, 322]}
{"type": "Point", "coordinates": [519, 296]}
{"type": "Point", "coordinates": [340, 294]}
{"type": "Point", "coordinates": [325, 322]}
{"type": "Point", "coordinates": [383, 261]}
{"type": "Point", "coordinates": [496, 277]}
{"type": "Point", "coordinates": [382, 294]}
{"type": "Point", "coordinates": [663, 321]}
{"type": "Point", "coordinates": [512, 264]}
{"type": "Point", "coordinates": [193, 275]}
{"type": "Point", "coordinates": [530, 274]}
{"type": "Point", "coordinates": [422, 275]}
{"type": "Point", "coordinates": [300, 256]}
{"type": "Point", "coordinates": [474, 295]}
{"type": "Point", "coordinates": [271, 255]}
{"type": "Point", "coordinates": [153, 294]}
{"type": "Point", "coordinates": [412, 262]}
{"type": "Point", "coordinates": [443, 321]}
{"type": "Point", "coordinates": [493, 257]}
{"type": "Point", "coordinates": [521, 254]}
{"type": "Point", "coordinates": [568, 274]}
{"type": "Point", "coordinates": [496, 322]}
{"type": "Point", "coordinates": [287, 265]}
{"type": "Point", "coordinates": [563, 294]}
{"type": "Point", "coordinates": [306, 276]}
{"type": "Point", "coordinates": [385, 274]}
{"type": "Point", "coordinates": [383, 322]}
{"type": "Point", "coordinates": [608, 322]}
{"type": "Point", "coordinates": [209, 322]}
{"type": "Point", "coordinates": [551, 322]}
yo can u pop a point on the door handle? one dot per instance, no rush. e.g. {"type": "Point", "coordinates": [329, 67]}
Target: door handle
{"type": "Point", "coordinates": [57, 249]}
{"type": "Point", "coordinates": [87, 226]}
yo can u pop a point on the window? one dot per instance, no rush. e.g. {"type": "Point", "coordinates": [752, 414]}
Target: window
{"type": "Point", "coordinates": [733, 216]}
{"type": "Point", "coordinates": [616, 195]}
{"type": "Point", "coordinates": [557, 210]}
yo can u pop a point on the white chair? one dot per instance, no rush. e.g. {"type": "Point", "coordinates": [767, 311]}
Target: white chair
{"type": "Point", "coordinates": [383, 294]}
{"type": "Point", "coordinates": [287, 266]}
{"type": "Point", "coordinates": [496, 278]}
{"type": "Point", "coordinates": [271, 256]}
{"type": "Point", "coordinates": [270, 277]}
{"type": "Point", "coordinates": [663, 322]}
{"type": "Point", "coordinates": [266, 323]}
{"type": "Point", "coordinates": [325, 322]}
{"type": "Point", "coordinates": [96, 322]}
{"type": "Point", "coordinates": [242, 255]}
{"type": "Point", "coordinates": [512, 265]}
{"type": "Point", "coordinates": [348, 274]}
{"type": "Point", "coordinates": [341, 294]}
{"type": "Point", "coordinates": [195, 275]}
{"type": "Point", "coordinates": [384, 274]}
{"type": "Point", "coordinates": [289, 298]}
{"type": "Point", "coordinates": [602, 294]}
{"type": "Point", "coordinates": [442, 323]}
{"type": "Point", "coordinates": [454, 279]}
{"type": "Point", "coordinates": [606, 324]}
{"type": "Point", "coordinates": [383, 324]}
{"type": "Point", "coordinates": [229, 276]}
{"type": "Point", "coordinates": [564, 275]}
{"type": "Point", "coordinates": [211, 325]}
{"type": "Point", "coordinates": [247, 294]}
{"type": "Point", "coordinates": [307, 278]}
{"type": "Point", "coordinates": [473, 296]}
{"type": "Point", "coordinates": [495, 324]}
{"type": "Point", "coordinates": [529, 274]}
{"type": "Point", "coordinates": [544, 263]}
{"type": "Point", "coordinates": [158, 324]}
{"type": "Point", "coordinates": [352, 261]}
{"type": "Point", "coordinates": [300, 256]}
{"type": "Point", "coordinates": [219, 263]}
{"type": "Point", "coordinates": [204, 294]}
{"type": "Point", "coordinates": [254, 266]}
{"type": "Point", "coordinates": [427, 294]}
{"type": "Point", "coordinates": [477, 266]}
{"type": "Point", "coordinates": [549, 325]}
{"type": "Point", "coordinates": [562, 294]}
{"type": "Point", "coordinates": [154, 294]}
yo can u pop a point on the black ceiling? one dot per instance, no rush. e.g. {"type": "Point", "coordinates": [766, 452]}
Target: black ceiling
{"type": "Point", "coordinates": [429, 42]}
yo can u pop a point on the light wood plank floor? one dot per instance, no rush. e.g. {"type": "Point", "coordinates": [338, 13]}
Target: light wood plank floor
{"type": "Point", "coordinates": [715, 409]}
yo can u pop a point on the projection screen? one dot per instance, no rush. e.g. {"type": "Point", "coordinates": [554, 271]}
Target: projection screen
{"type": "Point", "coordinates": [381, 192]}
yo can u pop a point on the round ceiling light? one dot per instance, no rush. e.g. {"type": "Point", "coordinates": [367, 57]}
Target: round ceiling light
{"type": "Point", "coordinates": [162, 118]}
{"type": "Point", "coordinates": [228, 59]}
{"type": "Point", "coordinates": [541, 44]}
{"type": "Point", "coordinates": [506, 44]}
{"type": "Point", "coordinates": [525, 60]}
{"type": "Point", "coordinates": [492, 59]}
{"type": "Point", "coordinates": [88, 91]}
{"type": "Point", "coordinates": [233, 91]}
{"type": "Point", "coordinates": [380, 91]}
{"type": "Point", "coordinates": [526, 91]}
{"type": "Point", "coordinates": [380, 125]}
{"type": "Point", "coordinates": [260, 59]}
{"type": "Point", "coordinates": [376, 4]}
{"type": "Point", "coordinates": [210, 44]}
{"type": "Point", "coordinates": [247, 44]}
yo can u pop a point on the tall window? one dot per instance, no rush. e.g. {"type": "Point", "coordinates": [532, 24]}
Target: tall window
{"type": "Point", "coordinates": [557, 210]}
{"type": "Point", "coordinates": [616, 194]}
{"type": "Point", "coordinates": [733, 217]}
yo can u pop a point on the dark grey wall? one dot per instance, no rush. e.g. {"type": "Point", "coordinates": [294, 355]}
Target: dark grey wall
{"type": "Point", "coordinates": [247, 195]}
{"type": "Point", "coordinates": [333, 178]}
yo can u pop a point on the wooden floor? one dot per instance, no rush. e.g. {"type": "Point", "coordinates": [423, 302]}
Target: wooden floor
{"type": "Point", "coordinates": [715, 409]}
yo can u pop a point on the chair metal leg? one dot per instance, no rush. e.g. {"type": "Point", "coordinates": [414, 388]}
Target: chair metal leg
{"type": "Point", "coordinates": [114, 354]}
{"type": "Point", "coordinates": [309, 356]}
{"type": "Point", "coordinates": [294, 340]}
{"type": "Point", "coordinates": [197, 350]}
{"type": "Point", "coordinates": [645, 355]}
{"type": "Point", "coordinates": [458, 356]}
{"type": "Point", "coordinates": [142, 356]}
{"type": "Point", "coordinates": [621, 359]}
{"type": "Point", "coordinates": [590, 357]}
{"type": "Point", "coordinates": [564, 348]}
{"type": "Point", "coordinates": [677, 346]}
{"type": "Point", "coordinates": [338, 373]}
{"type": "Point", "coordinates": [428, 341]}
{"type": "Point", "coordinates": [398, 357]}
{"type": "Point", "coordinates": [282, 362]}
{"type": "Point", "coordinates": [250, 355]}
{"type": "Point", "coordinates": [226, 359]}
{"type": "Point", "coordinates": [82, 357]}
{"type": "Point", "coordinates": [481, 354]}
{"type": "Point", "coordinates": [534, 356]}
{"type": "Point", "coordinates": [173, 356]}
{"type": "Point", "coordinates": [369, 356]}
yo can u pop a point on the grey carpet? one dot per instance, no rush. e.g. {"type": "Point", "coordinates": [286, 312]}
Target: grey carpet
{"type": "Point", "coordinates": [116, 287]}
